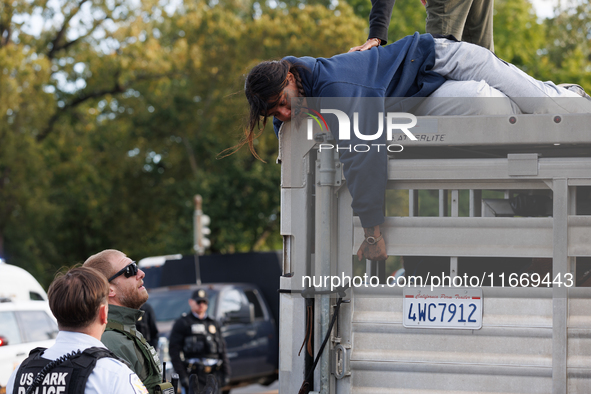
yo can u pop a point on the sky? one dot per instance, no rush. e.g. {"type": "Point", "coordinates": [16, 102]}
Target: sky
{"type": "Point", "coordinates": [544, 8]}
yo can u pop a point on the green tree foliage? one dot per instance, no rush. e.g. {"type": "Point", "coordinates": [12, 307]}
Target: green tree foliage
{"type": "Point", "coordinates": [566, 55]}
{"type": "Point", "coordinates": [515, 23]}
{"type": "Point", "coordinates": [24, 106]}
{"type": "Point", "coordinates": [408, 17]}
{"type": "Point", "coordinates": [113, 124]}
{"type": "Point", "coordinates": [113, 114]}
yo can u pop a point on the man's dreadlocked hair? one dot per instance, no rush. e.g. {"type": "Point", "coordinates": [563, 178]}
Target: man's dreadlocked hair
{"type": "Point", "coordinates": [263, 87]}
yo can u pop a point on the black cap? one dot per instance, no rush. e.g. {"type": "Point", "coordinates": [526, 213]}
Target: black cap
{"type": "Point", "coordinates": [199, 295]}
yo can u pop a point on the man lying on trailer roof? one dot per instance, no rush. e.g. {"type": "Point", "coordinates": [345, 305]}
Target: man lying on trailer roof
{"type": "Point", "coordinates": [415, 66]}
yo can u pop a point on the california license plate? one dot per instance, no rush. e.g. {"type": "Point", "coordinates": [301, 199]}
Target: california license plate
{"type": "Point", "coordinates": [447, 307]}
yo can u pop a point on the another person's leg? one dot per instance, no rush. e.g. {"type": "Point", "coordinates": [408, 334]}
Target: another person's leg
{"type": "Point", "coordinates": [461, 61]}
{"type": "Point", "coordinates": [447, 17]}
{"type": "Point", "coordinates": [479, 24]}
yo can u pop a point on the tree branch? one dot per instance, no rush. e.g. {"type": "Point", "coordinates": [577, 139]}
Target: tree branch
{"type": "Point", "coordinates": [6, 13]}
{"type": "Point", "coordinates": [118, 88]}
{"type": "Point", "coordinates": [5, 36]}
{"type": "Point", "coordinates": [79, 100]}
{"type": "Point", "coordinates": [192, 159]}
{"type": "Point", "coordinates": [96, 24]}
{"type": "Point", "coordinates": [60, 34]}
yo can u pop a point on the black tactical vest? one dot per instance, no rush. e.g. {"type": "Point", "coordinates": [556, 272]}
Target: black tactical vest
{"type": "Point", "coordinates": [66, 375]}
{"type": "Point", "coordinates": [203, 341]}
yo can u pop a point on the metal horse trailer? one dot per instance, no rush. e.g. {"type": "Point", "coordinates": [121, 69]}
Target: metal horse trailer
{"type": "Point", "coordinates": [532, 339]}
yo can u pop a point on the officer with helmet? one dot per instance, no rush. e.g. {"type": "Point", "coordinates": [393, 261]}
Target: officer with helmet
{"type": "Point", "coordinates": [199, 338]}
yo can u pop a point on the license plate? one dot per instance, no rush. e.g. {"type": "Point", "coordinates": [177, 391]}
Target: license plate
{"type": "Point", "coordinates": [442, 308]}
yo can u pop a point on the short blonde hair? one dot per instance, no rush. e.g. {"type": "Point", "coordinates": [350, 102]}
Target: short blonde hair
{"type": "Point", "coordinates": [102, 262]}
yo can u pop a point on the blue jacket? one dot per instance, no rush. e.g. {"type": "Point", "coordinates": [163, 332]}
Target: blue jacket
{"type": "Point", "coordinates": [401, 69]}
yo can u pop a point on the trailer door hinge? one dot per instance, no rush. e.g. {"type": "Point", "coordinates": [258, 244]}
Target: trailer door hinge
{"type": "Point", "coordinates": [335, 173]}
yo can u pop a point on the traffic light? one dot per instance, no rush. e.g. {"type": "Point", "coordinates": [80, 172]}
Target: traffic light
{"type": "Point", "coordinates": [205, 220]}
{"type": "Point", "coordinates": [201, 228]}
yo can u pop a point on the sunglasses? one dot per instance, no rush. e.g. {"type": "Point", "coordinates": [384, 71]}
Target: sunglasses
{"type": "Point", "coordinates": [201, 302]}
{"type": "Point", "coordinates": [129, 271]}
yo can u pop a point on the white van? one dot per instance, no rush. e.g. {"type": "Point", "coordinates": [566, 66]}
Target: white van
{"type": "Point", "coordinates": [24, 325]}
{"type": "Point", "coordinates": [16, 284]}
{"type": "Point", "coordinates": [26, 322]}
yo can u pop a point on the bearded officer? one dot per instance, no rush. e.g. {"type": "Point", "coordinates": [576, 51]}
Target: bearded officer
{"type": "Point", "coordinates": [126, 294]}
{"type": "Point", "coordinates": [78, 362]}
{"type": "Point", "coordinates": [199, 337]}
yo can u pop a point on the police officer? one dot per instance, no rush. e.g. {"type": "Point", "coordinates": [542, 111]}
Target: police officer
{"type": "Point", "coordinates": [126, 294]}
{"type": "Point", "coordinates": [78, 362]}
{"type": "Point", "coordinates": [198, 336]}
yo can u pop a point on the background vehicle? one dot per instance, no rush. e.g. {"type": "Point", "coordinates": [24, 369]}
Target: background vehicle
{"type": "Point", "coordinates": [243, 298]}
{"type": "Point", "coordinates": [246, 324]}
{"type": "Point", "coordinates": [23, 326]}
{"type": "Point", "coordinates": [18, 285]}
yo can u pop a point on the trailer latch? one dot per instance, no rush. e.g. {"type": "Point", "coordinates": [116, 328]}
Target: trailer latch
{"type": "Point", "coordinates": [340, 361]}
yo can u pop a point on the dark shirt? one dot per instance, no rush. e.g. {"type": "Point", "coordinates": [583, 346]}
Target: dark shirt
{"type": "Point", "coordinates": [379, 19]}
{"type": "Point", "coordinates": [147, 325]}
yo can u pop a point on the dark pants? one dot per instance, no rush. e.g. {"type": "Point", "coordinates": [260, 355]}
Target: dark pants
{"type": "Point", "coordinates": [202, 373]}
{"type": "Point", "coordinates": [466, 20]}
